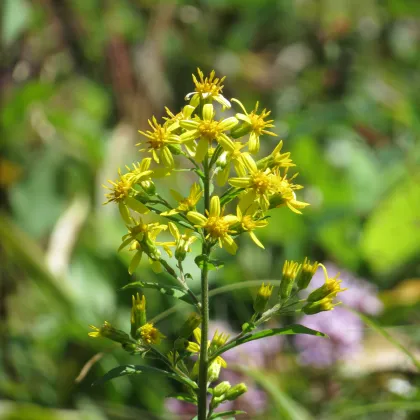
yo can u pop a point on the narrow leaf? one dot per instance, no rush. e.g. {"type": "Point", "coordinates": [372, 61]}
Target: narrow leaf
{"type": "Point", "coordinates": [286, 407]}
{"type": "Point", "coordinates": [211, 264]}
{"type": "Point", "coordinates": [174, 291]}
{"type": "Point", "coordinates": [139, 369]}
{"type": "Point", "coordinates": [184, 397]}
{"type": "Point", "coordinates": [290, 330]}
{"type": "Point", "coordinates": [222, 414]}
{"type": "Point", "coordinates": [371, 323]}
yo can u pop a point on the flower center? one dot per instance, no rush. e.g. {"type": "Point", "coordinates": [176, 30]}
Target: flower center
{"type": "Point", "coordinates": [261, 182]}
{"type": "Point", "coordinates": [158, 138]}
{"type": "Point", "coordinates": [217, 227]}
{"type": "Point", "coordinates": [248, 223]}
{"type": "Point", "coordinates": [209, 129]}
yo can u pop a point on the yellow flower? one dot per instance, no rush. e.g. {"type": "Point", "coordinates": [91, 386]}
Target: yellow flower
{"type": "Point", "coordinates": [290, 271]}
{"type": "Point", "coordinates": [262, 298]}
{"type": "Point", "coordinates": [120, 189]}
{"type": "Point", "coordinates": [257, 124]}
{"type": "Point", "coordinates": [159, 139]}
{"type": "Point", "coordinates": [206, 129]}
{"type": "Point", "coordinates": [138, 313]}
{"type": "Point", "coordinates": [284, 193]}
{"type": "Point", "coordinates": [232, 154]}
{"type": "Point", "coordinates": [142, 239]}
{"type": "Point", "coordinates": [140, 171]}
{"type": "Point", "coordinates": [186, 204]}
{"type": "Point", "coordinates": [182, 242]}
{"type": "Point", "coordinates": [247, 223]}
{"type": "Point", "coordinates": [329, 289]}
{"type": "Point", "coordinates": [173, 121]}
{"type": "Point", "coordinates": [150, 334]}
{"type": "Point", "coordinates": [207, 88]}
{"type": "Point", "coordinates": [194, 347]}
{"type": "Point", "coordinates": [258, 184]}
{"type": "Point", "coordinates": [280, 160]}
{"type": "Point", "coordinates": [216, 226]}
{"type": "Point", "coordinates": [308, 271]}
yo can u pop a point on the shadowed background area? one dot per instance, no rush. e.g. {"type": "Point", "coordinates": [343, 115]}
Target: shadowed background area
{"type": "Point", "coordinates": [78, 79]}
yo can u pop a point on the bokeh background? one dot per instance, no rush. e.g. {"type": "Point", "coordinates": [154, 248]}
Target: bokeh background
{"type": "Point", "coordinates": [78, 79]}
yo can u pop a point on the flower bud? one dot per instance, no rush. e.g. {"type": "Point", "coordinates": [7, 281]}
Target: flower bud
{"type": "Point", "coordinates": [322, 305]}
{"type": "Point", "coordinates": [138, 314]}
{"type": "Point", "coordinates": [219, 339]}
{"type": "Point", "coordinates": [290, 271]}
{"type": "Point", "coordinates": [108, 331]}
{"type": "Point", "coordinates": [149, 187]}
{"type": "Point", "coordinates": [150, 335]}
{"type": "Point", "coordinates": [263, 295]}
{"type": "Point", "coordinates": [192, 322]}
{"type": "Point", "coordinates": [221, 162]}
{"type": "Point", "coordinates": [306, 274]}
{"type": "Point", "coordinates": [330, 288]}
{"type": "Point", "coordinates": [221, 389]}
{"type": "Point", "coordinates": [213, 372]}
{"type": "Point", "coordinates": [236, 391]}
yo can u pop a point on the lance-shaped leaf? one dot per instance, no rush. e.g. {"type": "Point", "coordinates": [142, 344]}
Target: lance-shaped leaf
{"type": "Point", "coordinates": [223, 414]}
{"type": "Point", "coordinates": [290, 330]}
{"type": "Point", "coordinates": [138, 370]}
{"type": "Point", "coordinates": [174, 291]}
{"type": "Point", "coordinates": [184, 397]}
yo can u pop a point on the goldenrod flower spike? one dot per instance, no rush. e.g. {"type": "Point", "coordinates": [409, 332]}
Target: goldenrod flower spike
{"type": "Point", "coordinates": [208, 88]}
{"type": "Point", "coordinates": [257, 124]}
{"type": "Point", "coordinates": [216, 226]}
{"type": "Point", "coordinates": [206, 129]}
{"type": "Point", "coordinates": [159, 139]}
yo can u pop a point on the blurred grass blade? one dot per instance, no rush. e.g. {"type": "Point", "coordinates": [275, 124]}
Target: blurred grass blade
{"type": "Point", "coordinates": [139, 369]}
{"type": "Point", "coordinates": [174, 291]}
{"type": "Point", "coordinates": [289, 330]}
{"type": "Point", "coordinates": [368, 321]}
{"type": "Point", "coordinates": [390, 406]}
{"type": "Point", "coordinates": [286, 407]}
{"type": "Point", "coordinates": [26, 253]}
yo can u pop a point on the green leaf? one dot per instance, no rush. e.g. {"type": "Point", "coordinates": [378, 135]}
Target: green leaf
{"type": "Point", "coordinates": [211, 264]}
{"type": "Point", "coordinates": [221, 414]}
{"type": "Point", "coordinates": [290, 330]}
{"type": "Point", "coordinates": [184, 397]}
{"type": "Point", "coordinates": [385, 334]}
{"type": "Point", "coordinates": [139, 369]}
{"type": "Point", "coordinates": [286, 407]}
{"type": "Point", "coordinates": [174, 291]}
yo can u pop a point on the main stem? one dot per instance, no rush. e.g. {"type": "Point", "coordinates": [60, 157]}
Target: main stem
{"type": "Point", "coordinates": [204, 362]}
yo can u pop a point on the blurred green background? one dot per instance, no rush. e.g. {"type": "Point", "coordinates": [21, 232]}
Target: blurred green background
{"type": "Point", "coordinates": [78, 78]}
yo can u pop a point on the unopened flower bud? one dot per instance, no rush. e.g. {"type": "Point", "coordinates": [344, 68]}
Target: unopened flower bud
{"type": "Point", "coordinates": [290, 271]}
{"type": "Point", "coordinates": [213, 372]}
{"type": "Point", "coordinates": [236, 391]}
{"type": "Point", "coordinates": [263, 295]}
{"type": "Point", "coordinates": [108, 331]}
{"type": "Point", "coordinates": [221, 162]}
{"type": "Point", "coordinates": [221, 389]}
{"type": "Point", "coordinates": [149, 187]}
{"type": "Point", "coordinates": [219, 339]}
{"type": "Point", "coordinates": [138, 314]}
{"type": "Point", "coordinates": [192, 322]}
{"type": "Point", "coordinates": [306, 274]}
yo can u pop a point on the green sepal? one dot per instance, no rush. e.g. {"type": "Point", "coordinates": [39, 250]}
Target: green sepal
{"type": "Point", "coordinates": [248, 327]}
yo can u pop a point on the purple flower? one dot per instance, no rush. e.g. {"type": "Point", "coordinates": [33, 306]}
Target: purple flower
{"type": "Point", "coordinates": [360, 295]}
{"type": "Point", "coordinates": [345, 337]}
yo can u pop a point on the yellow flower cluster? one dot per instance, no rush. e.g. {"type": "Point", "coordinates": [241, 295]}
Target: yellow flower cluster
{"type": "Point", "coordinates": [215, 146]}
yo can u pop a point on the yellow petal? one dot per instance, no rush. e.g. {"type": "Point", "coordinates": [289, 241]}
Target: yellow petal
{"type": "Point", "coordinates": [215, 206]}
{"type": "Point", "coordinates": [208, 112]}
{"type": "Point", "coordinates": [255, 239]}
{"type": "Point", "coordinates": [196, 218]}
{"type": "Point", "coordinates": [135, 261]}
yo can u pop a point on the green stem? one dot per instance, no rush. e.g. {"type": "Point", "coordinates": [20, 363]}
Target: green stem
{"type": "Point", "coordinates": [203, 367]}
